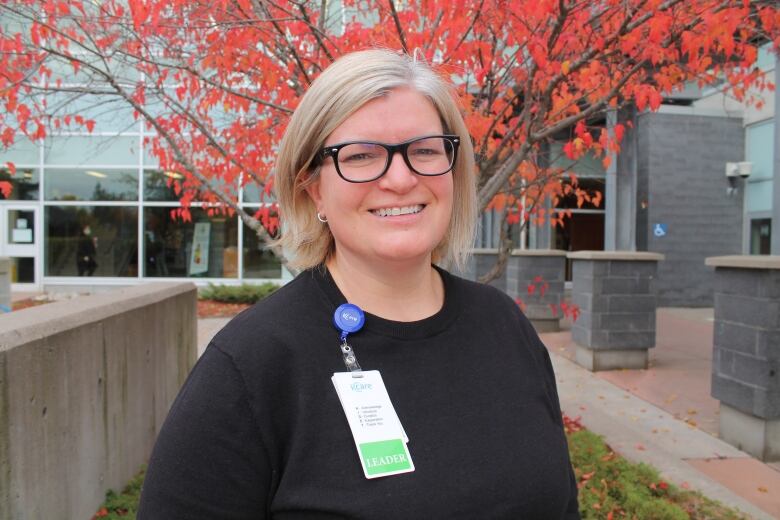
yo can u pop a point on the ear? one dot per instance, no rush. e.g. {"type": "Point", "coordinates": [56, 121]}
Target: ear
{"type": "Point", "coordinates": [313, 190]}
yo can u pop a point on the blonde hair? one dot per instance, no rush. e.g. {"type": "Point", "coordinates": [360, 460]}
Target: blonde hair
{"type": "Point", "coordinates": [345, 86]}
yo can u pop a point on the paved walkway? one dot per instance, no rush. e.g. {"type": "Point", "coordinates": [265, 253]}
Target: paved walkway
{"type": "Point", "coordinates": [663, 416]}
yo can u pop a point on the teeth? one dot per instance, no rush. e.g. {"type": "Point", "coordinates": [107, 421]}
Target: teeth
{"type": "Point", "coordinates": [405, 210]}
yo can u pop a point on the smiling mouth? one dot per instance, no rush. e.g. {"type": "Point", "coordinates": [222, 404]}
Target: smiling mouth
{"type": "Point", "coordinates": [398, 210]}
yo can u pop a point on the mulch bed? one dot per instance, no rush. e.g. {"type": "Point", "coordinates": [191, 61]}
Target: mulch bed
{"type": "Point", "coordinates": [26, 303]}
{"type": "Point", "coordinates": [206, 308]}
{"type": "Point", "coordinates": [214, 309]}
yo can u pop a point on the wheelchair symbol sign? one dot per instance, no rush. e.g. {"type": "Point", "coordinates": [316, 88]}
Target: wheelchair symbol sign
{"type": "Point", "coordinates": [660, 230]}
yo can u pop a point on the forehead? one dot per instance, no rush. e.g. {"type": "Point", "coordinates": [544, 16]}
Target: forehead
{"type": "Point", "coordinates": [399, 115]}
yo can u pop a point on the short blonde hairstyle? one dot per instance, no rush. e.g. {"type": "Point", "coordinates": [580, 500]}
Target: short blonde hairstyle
{"type": "Point", "coordinates": [344, 87]}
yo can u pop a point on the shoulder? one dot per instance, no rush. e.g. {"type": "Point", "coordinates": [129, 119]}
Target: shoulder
{"type": "Point", "coordinates": [276, 319]}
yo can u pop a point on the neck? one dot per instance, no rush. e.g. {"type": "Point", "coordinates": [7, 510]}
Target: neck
{"type": "Point", "coordinates": [399, 292]}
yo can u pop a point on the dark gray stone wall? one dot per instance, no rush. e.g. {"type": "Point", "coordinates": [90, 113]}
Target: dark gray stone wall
{"type": "Point", "coordinates": [546, 274]}
{"type": "Point", "coordinates": [746, 345]}
{"type": "Point", "coordinates": [681, 174]}
{"type": "Point", "coordinates": [617, 304]}
{"type": "Point", "coordinates": [480, 263]}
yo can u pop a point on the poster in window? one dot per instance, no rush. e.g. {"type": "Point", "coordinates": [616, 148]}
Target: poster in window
{"type": "Point", "coordinates": [199, 256]}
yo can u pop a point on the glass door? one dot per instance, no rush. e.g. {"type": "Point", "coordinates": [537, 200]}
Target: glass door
{"type": "Point", "coordinates": [19, 243]}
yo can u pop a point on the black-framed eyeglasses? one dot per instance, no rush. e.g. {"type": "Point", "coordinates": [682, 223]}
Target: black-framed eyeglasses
{"type": "Point", "coordinates": [366, 161]}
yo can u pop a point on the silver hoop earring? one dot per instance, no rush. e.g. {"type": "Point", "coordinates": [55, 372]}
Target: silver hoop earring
{"type": "Point", "coordinates": [321, 218]}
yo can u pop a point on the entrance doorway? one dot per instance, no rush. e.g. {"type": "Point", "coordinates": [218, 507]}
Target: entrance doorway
{"type": "Point", "coordinates": [19, 242]}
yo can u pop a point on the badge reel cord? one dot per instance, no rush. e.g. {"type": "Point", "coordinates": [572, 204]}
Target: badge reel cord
{"type": "Point", "coordinates": [349, 318]}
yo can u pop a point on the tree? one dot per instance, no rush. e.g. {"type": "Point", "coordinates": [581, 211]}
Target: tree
{"type": "Point", "coordinates": [216, 80]}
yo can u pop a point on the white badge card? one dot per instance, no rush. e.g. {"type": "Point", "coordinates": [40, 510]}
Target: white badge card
{"type": "Point", "coordinates": [379, 437]}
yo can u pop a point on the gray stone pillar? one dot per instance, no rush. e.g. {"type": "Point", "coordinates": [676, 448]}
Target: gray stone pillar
{"type": "Point", "coordinates": [615, 295]}
{"type": "Point", "coordinates": [621, 193]}
{"type": "Point", "coordinates": [482, 261]}
{"type": "Point", "coordinates": [545, 271]}
{"type": "Point", "coordinates": [774, 240]}
{"type": "Point", "coordinates": [746, 352]}
{"type": "Point", "coordinates": [5, 285]}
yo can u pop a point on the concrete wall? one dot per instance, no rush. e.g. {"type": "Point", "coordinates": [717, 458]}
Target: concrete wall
{"type": "Point", "coordinates": [681, 165]}
{"type": "Point", "coordinates": [85, 385]}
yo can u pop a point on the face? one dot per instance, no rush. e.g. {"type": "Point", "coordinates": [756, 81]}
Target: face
{"type": "Point", "coordinates": [360, 216]}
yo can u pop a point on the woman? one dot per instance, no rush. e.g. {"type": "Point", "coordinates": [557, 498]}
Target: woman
{"type": "Point", "coordinates": [375, 179]}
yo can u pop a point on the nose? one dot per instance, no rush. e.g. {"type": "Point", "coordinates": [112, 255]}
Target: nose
{"type": "Point", "coordinates": [398, 177]}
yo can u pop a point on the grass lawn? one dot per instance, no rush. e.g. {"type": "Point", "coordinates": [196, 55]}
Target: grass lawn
{"type": "Point", "coordinates": [610, 488]}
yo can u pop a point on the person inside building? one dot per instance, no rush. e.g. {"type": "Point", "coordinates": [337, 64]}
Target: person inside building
{"type": "Point", "coordinates": [376, 384]}
{"type": "Point", "coordinates": [86, 249]}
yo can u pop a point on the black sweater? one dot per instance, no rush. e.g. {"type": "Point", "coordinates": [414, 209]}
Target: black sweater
{"type": "Point", "coordinates": [257, 431]}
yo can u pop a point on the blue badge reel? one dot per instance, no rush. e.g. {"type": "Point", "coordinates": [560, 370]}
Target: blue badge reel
{"type": "Point", "coordinates": [349, 318]}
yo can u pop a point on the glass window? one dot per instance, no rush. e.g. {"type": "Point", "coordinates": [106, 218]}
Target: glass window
{"type": "Point", "coordinates": [110, 113]}
{"type": "Point", "coordinates": [91, 184]}
{"type": "Point", "coordinates": [159, 185]}
{"type": "Point", "coordinates": [22, 270]}
{"type": "Point", "coordinates": [91, 241]}
{"type": "Point", "coordinates": [205, 247]}
{"type": "Point", "coordinates": [760, 236]}
{"type": "Point", "coordinates": [759, 141]}
{"type": "Point", "coordinates": [22, 152]}
{"type": "Point", "coordinates": [591, 186]}
{"type": "Point", "coordinates": [253, 194]}
{"type": "Point", "coordinates": [24, 183]}
{"type": "Point", "coordinates": [259, 261]}
{"type": "Point", "coordinates": [89, 150]}
{"type": "Point", "coordinates": [587, 165]}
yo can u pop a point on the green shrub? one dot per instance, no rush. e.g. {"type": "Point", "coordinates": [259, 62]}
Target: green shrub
{"type": "Point", "coordinates": [122, 505]}
{"type": "Point", "coordinates": [245, 293]}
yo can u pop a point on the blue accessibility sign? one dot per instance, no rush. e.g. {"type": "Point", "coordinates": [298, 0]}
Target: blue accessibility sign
{"type": "Point", "coordinates": [660, 230]}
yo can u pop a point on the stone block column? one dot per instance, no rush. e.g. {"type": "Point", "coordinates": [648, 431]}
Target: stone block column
{"type": "Point", "coordinates": [482, 261]}
{"type": "Point", "coordinates": [545, 270]}
{"type": "Point", "coordinates": [746, 352]}
{"type": "Point", "coordinates": [615, 295]}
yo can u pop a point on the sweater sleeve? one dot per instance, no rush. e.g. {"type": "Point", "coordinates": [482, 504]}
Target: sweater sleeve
{"type": "Point", "coordinates": [572, 508]}
{"type": "Point", "coordinates": [208, 461]}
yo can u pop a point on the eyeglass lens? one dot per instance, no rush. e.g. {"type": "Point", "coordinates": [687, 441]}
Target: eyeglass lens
{"type": "Point", "coordinates": [364, 161]}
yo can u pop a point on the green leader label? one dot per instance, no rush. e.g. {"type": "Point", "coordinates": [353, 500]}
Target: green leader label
{"type": "Point", "coordinates": [385, 457]}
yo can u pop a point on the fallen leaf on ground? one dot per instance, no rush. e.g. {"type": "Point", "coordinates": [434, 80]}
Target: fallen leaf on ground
{"type": "Point", "coordinates": [640, 447]}
{"type": "Point", "coordinates": [762, 489]}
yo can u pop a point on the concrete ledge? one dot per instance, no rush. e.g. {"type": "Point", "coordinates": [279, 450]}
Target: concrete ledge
{"type": "Point", "coordinates": [596, 360]}
{"type": "Point", "coordinates": [757, 436]}
{"type": "Point", "coordinates": [538, 252]}
{"type": "Point", "coordinates": [484, 251]}
{"type": "Point", "coordinates": [546, 324]}
{"type": "Point", "coordinates": [744, 261]}
{"type": "Point", "coordinates": [639, 256]}
{"type": "Point", "coordinates": [85, 386]}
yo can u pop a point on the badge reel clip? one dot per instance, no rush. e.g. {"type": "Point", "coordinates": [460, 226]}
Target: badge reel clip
{"type": "Point", "coordinates": [349, 318]}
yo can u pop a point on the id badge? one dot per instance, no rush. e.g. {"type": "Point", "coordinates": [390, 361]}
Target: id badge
{"type": "Point", "coordinates": [379, 437]}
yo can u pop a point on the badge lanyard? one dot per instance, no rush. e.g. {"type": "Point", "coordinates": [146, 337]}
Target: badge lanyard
{"type": "Point", "coordinates": [379, 437]}
{"type": "Point", "coordinates": [349, 318]}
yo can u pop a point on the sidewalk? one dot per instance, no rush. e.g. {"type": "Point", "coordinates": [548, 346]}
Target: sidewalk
{"type": "Point", "coordinates": [663, 416]}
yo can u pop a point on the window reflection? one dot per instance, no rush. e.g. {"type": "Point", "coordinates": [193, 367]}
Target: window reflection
{"type": "Point", "coordinates": [259, 261]}
{"type": "Point", "coordinates": [111, 230]}
{"type": "Point", "coordinates": [25, 183]}
{"type": "Point", "coordinates": [91, 184]}
{"type": "Point", "coordinates": [205, 247]}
